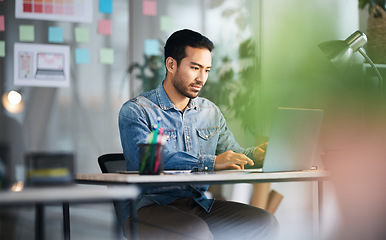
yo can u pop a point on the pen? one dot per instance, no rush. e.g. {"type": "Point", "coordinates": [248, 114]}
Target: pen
{"type": "Point", "coordinates": [154, 141]}
{"type": "Point", "coordinates": [158, 155]}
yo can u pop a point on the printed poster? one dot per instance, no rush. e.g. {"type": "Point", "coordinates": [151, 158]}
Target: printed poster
{"type": "Point", "coordinates": [41, 65]}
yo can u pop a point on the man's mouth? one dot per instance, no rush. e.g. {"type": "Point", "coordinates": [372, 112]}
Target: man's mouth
{"type": "Point", "coordinates": [196, 87]}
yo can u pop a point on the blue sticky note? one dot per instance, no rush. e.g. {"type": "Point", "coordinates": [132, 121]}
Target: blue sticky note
{"type": "Point", "coordinates": [106, 6]}
{"type": "Point", "coordinates": [82, 56]}
{"type": "Point", "coordinates": [152, 47]}
{"type": "Point", "coordinates": [55, 35]}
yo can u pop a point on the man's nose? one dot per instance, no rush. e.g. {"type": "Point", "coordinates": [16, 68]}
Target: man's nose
{"type": "Point", "coordinates": [202, 76]}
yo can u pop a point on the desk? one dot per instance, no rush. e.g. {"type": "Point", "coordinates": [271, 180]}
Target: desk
{"type": "Point", "coordinates": [217, 177]}
{"type": "Point", "coordinates": [63, 195]}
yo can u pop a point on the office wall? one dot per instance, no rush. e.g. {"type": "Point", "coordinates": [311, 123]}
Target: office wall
{"type": "Point", "coordinates": [81, 118]}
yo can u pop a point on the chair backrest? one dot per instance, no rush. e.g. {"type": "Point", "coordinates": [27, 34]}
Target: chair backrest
{"type": "Point", "coordinates": [112, 162]}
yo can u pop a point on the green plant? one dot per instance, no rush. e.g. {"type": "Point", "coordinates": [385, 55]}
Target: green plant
{"type": "Point", "coordinates": [247, 92]}
{"type": "Point", "coordinates": [220, 91]}
{"type": "Point", "coordinates": [151, 72]}
{"type": "Point", "coordinates": [237, 92]}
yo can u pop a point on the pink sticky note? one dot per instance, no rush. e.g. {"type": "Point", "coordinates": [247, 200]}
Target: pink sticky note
{"type": "Point", "coordinates": [149, 8]}
{"type": "Point", "coordinates": [2, 25]}
{"type": "Point", "coordinates": [104, 27]}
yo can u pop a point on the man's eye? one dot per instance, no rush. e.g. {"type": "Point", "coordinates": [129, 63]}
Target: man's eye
{"type": "Point", "coordinates": [195, 68]}
{"type": "Point", "coordinates": [208, 70]}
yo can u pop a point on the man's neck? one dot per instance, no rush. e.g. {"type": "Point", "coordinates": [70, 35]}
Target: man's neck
{"type": "Point", "coordinates": [179, 100]}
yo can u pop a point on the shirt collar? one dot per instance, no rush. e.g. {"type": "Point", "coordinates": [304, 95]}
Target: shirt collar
{"type": "Point", "coordinates": [165, 103]}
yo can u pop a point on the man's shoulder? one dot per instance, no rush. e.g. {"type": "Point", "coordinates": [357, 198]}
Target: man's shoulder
{"type": "Point", "coordinates": [139, 102]}
{"type": "Point", "coordinates": [143, 99]}
{"type": "Point", "coordinates": [204, 103]}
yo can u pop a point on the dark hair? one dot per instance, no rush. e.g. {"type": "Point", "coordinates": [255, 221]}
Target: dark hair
{"type": "Point", "coordinates": [177, 42]}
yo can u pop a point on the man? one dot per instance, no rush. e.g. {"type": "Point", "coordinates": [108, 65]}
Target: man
{"type": "Point", "coordinates": [198, 139]}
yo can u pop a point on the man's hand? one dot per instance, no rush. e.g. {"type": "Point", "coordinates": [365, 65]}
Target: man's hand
{"type": "Point", "coordinates": [259, 153]}
{"type": "Point", "coordinates": [231, 160]}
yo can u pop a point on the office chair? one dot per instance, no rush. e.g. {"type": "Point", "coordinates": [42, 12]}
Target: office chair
{"type": "Point", "coordinates": [111, 163]}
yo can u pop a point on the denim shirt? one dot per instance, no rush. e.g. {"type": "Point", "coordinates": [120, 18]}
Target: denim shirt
{"type": "Point", "coordinates": [195, 137]}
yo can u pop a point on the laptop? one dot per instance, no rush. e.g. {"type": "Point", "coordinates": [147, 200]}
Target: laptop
{"type": "Point", "coordinates": [50, 66]}
{"type": "Point", "coordinates": [292, 142]}
{"type": "Point", "coordinates": [293, 139]}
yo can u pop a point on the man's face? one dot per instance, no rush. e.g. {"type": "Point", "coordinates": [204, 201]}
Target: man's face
{"type": "Point", "coordinates": [192, 72]}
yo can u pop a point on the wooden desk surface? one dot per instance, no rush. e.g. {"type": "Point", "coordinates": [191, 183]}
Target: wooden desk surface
{"type": "Point", "coordinates": [199, 178]}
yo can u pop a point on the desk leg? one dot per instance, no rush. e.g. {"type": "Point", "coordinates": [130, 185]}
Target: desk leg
{"type": "Point", "coordinates": [66, 221]}
{"type": "Point", "coordinates": [39, 222]}
{"type": "Point", "coordinates": [320, 204]}
{"type": "Point", "coordinates": [133, 222]}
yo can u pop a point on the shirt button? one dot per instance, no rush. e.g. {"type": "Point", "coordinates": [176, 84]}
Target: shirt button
{"type": "Point", "coordinates": [187, 137]}
{"type": "Point", "coordinates": [206, 168]}
{"type": "Point", "coordinates": [206, 136]}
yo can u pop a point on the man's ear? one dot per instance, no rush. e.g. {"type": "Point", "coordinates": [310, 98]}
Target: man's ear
{"type": "Point", "coordinates": [171, 64]}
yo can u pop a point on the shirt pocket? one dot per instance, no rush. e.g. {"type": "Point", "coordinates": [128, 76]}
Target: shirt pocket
{"type": "Point", "coordinates": [171, 142]}
{"type": "Point", "coordinates": [208, 138]}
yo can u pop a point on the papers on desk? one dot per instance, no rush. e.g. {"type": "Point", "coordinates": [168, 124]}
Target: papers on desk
{"type": "Point", "coordinates": [251, 170]}
{"type": "Point", "coordinates": [164, 172]}
{"type": "Point", "coordinates": [172, 172]}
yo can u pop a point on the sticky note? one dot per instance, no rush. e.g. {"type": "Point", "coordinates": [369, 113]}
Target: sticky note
{"type": "Point", "coordinates": [106, 56]}
{"type": "Point", "coordinates": [106, 6]}
{"type": "Point", "coordinates": [151, 47]}
{"type": "Point", "coordinates": [149, 8]}
{"type": "Point", "coordinates": [166, 23]}
{"type": "Point", "coordinates": [2, 24]}
{"type": "Point", "coordinates": [27, 33]}
{"type": "Point", "coordinates": [81, 35]}
{"type": "Point", "coordinates": [82, 56]}
{"type": "Point", "coordinates": [2, 49]}
{"type": "Point", "coordinates": [104, 27]}
{"type": "Point", "coordinates": [55, 35]}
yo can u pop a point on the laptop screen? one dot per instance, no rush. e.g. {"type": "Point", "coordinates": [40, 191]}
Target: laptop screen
{"type": "Point", "coordinates": [293, 139]}
{"type": "Point", "coordinates": [50, 61]}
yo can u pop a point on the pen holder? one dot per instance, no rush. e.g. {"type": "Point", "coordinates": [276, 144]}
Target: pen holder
{"type": "Point", "coordinates": [151, 158]}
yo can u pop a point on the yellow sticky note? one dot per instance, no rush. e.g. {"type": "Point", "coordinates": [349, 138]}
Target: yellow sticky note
{"type": "Point", "coordinates": [81, 35]}
{"type": "Point", "coordinates": [106, 56]}
{"type": "Point", "coordinates": [27, 33]}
